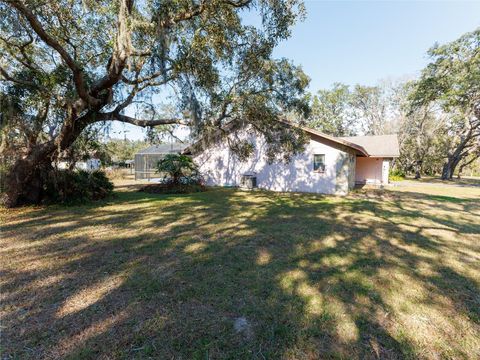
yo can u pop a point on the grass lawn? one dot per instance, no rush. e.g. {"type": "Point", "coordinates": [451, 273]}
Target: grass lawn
{"type": "Point", "coordinates": [465, 181]}
{"type": "Point", "coordinates": [228, 274]}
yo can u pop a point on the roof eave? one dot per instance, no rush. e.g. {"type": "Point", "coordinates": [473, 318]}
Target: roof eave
{"type": "Point", "coordinates": [383, 156]}
{"type": "Point", "coordinates": [353, 146]}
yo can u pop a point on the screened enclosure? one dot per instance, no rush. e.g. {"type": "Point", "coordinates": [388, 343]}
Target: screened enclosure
{"type": "Point", "coordinates": [146, 160]}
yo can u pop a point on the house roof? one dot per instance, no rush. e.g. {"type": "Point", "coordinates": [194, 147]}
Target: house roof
{"type": "Point", "coordinates": [377, 145]}
{"type": "Point", "coordinates": [369, 146]}
{"type": "Point", "coordinates": [338, 140]}
{"type": "Point", "coordinates": [164, 149]}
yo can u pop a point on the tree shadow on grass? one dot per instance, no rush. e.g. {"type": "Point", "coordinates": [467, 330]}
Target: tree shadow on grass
{"type": "Point", "coordinates": [167, 277]}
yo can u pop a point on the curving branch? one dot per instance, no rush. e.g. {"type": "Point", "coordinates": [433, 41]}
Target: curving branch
{"type": "Point", "coordinates": [10, 78]}
{"type": "Point", "coordinates": [54, 44]}
{"type": "Point", "coordinates": [25, 60]}
{"type": "Point", "coordinates": [139, 122]}
{"type": "Point", "coordinates": [138, 87]}
{"type": "Point", "coordinates": [198, 10]}
{"type": "Point", "coordinates": [138, 81]}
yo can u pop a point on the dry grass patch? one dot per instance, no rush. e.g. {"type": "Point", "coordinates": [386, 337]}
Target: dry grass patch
{"type": "Point", "coordinates": [378, 274]}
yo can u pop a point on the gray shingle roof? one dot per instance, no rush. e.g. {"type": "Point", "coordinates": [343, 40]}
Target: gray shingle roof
{"type": "Point", "coordinates": [377, 145]}
{"type": "Point", "coordinates": [164, 148]}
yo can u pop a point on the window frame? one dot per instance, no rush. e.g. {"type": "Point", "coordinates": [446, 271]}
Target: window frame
{"type": "Point", "coordinates": [320, 169]}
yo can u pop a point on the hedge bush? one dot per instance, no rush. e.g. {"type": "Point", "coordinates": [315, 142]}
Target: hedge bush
{"type": "Point", "coordinates": [66, 186]}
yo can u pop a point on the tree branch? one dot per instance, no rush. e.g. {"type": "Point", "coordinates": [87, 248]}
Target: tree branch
{"type": "Point", "coordinates": [50, 41]}
{"type": "Point", "coordinates": [137, 89]}
{"type": "Point", "coordinates": [139, 122]}
{"type": "Point", "coordinates": [145, 78]}
{"type": "Point", "coordinates": [122, 50]}
{"type": "Point", "coordinates": [26, 61]}
{"type": "Point", "coordinates": [31, 84]}
{"type": "Point", "coordinates": [199, 9]}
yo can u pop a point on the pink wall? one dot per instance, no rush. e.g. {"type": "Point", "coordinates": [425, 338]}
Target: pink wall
{"type": "Point", "coordinates": [368, 170]}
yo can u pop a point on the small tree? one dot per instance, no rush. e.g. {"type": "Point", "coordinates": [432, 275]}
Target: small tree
{"type": "Point", "coordinates": [176, 167]}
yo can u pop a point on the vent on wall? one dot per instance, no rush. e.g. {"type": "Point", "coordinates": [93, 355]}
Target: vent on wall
{"type": "Point", "coordinates": [248, 181]}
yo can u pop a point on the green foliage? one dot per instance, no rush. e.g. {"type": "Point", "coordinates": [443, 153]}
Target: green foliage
{"type": "Point", "coordinates": [88, 144]}
{"type": "Point", "coordinates": [120, 151]}
{"type": "Point", "coordinates": [178, 168]}
{"type": "Point", "coordinates": [452, 81]}
{"type": "Point", "coordinates": [453, 76]}
{"type": "Point", "coordinates": [342, 111]}
{"type": "Point", "coordinates": [3, 173]}
{"type": "Point", "coordinates": [64, 186]}
{"type": "Point", "coordinates": [370, 106]}
{"type": "Point", "coordinates": [71, 64]}
{"type": "Point", "coordinates": [396, 175]}
{"type": "Point", "coordinates": [331, 112]}
{"type": "Point", "coordinates": [216, 68]}
{"type": "Point", "coordinates": [422, 135]}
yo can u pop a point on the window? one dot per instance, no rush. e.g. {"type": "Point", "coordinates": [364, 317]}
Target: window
{"type": "Point", "coordinates": [319, 162]}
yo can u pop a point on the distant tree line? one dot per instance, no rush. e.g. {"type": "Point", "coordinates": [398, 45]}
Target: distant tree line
{"type": "Point", "coordinates": [436, 116]}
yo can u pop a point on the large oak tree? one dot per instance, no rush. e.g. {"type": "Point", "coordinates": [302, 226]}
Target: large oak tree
{"type": "Point", "coordinates": [452, 79]}
{"type": "Point", "coordinates": [67, 65]}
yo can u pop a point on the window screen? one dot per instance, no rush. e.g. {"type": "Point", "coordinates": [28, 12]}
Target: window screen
{"type": "Point", "coordinates": [319, 162]}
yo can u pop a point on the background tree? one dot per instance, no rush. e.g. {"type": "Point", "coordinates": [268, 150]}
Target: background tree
{"type": "Point", "coordinates": [470, 160]}
{"type": "Point", "coordinates": [331, 111]}
{"type": "Point", "coordinates": [68, 64]}
{"type": "Point", "coordinates": [452, 79]}
{"type": "Point", "coordinates": [369, 106]}
{"type": "Point", "coordinates": [363, 110]}
{"type": "Point", "coordinates": [121, 150]}
{"type": "Point", "coordinates": [420, 133]}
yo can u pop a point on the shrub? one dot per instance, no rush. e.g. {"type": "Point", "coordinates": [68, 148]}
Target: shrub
{"type": "Point", "coordinates": [65, 186]}
{"type": "Point", "coordinates": [396, 175]}
{"type": "Point", "coordinates": [179, 169]}
{"type": "Point", "coordinates": [180, 176]}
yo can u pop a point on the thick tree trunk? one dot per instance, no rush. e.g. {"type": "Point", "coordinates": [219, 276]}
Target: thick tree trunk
{"type": "Point", "coordinates": [25, 181]}
{"type": "Point", "coordinates": [446, 171]}
{"type": "Point", "coordinates": [449, 167]}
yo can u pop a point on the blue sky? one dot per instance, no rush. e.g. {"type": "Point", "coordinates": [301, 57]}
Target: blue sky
{"type": "Point", "coordinates": [358, 42]}
{"type": "Point", "coordinates": [363, 42]}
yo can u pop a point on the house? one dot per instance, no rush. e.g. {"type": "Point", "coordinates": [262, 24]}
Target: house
{"type": "Point", "coordinates": [146, 160]}
{"type": "Point", "coordinates": [328, 165]}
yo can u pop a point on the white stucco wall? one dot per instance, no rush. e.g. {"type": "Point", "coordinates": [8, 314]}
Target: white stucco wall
{"type": "Point", "coordinates": [221, 167]}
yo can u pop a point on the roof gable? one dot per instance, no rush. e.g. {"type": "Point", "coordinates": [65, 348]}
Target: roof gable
{"type": "Point", "coordinates": [339, 141]}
